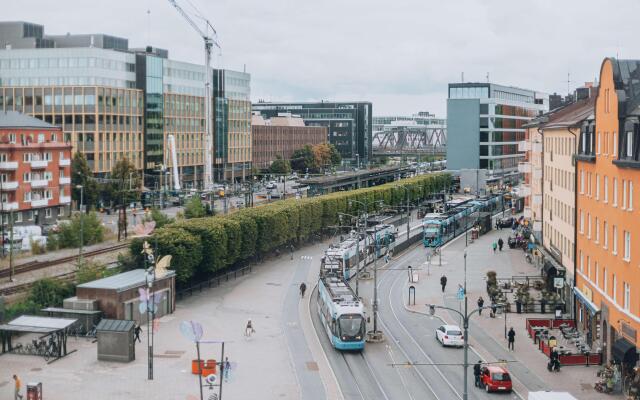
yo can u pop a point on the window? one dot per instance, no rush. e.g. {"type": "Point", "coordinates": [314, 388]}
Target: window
{"type": "Point", "coordinates": [27, 196]}
{"type": "Point", "coordinates": [615, 192]}
{"type": "Point", "coordinates": [581, 261]}
{"type": "Point", "coordinates": [581, 222]}
{"type": "Point", "coordinates": [598, 144]}
{"type": "Point", "coordinates": [606, 235]}
{"type": "Point", "coordinates": [627, 246]}
{"type": "Point", "coordinates": [589, 267]}
{"type": "Point", "coordinates": [605, 280]}
{"type": "Point", "coordinates": [589, 225]}
{"type": "Point", "coordinates": [613, 288]}
{"type": "Point", "coordinates": [630, 202]}
{"type": "Point", "coordinates": [597, 230]}
{"type": "Point", "coordinates": [627, 296]}
{"type": "Point", "coordinates": [597, 187]}
{"type": "Point", "coordinates": [47, 212]}
{"type": "Point", "coordinates": [614, 233]}
{"type": "Point", "coordinates": [597, 275]}
{"type": "Point", "coordinates": [605, 189]}
{"type": "Point", "coordinates": [624, 194]}
{"type": "Point", "coordinates": [581, 181]}
{"type": "Point", "coordinates": [629, 144]}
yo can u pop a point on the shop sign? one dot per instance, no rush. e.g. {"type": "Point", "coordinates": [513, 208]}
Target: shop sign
{"type": "Point", "coordinates": [628, 331]}
{"type": "Point", "coordinates": [558, 283]}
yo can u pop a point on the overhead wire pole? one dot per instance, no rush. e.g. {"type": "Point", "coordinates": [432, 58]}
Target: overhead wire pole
{"type": "Point", "coordinates": [209, 42]}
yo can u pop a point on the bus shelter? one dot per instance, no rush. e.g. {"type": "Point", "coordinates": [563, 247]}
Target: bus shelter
{"type": "Point", "coordinates": [56, 328]}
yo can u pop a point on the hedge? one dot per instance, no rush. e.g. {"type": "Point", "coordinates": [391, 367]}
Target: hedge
{"type": "Point", "coordinates": [203, 246]}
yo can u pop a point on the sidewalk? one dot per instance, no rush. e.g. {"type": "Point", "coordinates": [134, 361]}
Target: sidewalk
{"type": "Point", "coordinates": [487, 335]}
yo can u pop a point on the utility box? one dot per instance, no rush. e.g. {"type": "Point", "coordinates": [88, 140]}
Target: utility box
{"type": "Point", "coordinates": [34, 391]}
{"type": "Point", "coordinates": [115, 340]}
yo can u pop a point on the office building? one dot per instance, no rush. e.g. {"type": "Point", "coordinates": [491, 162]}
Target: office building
{"type": "Point", "coordinates": [485, 124]}
{"type": "Point", "coordinates": [35, 170]}
{"type": "Point", "coordinates": [114, 102]}
{"type": "Point", "coordinates": [349, 123]}
{"type": "Point", "coordinates": [607, 290]}
{"type": "Point", "coordinates": [281, 136]}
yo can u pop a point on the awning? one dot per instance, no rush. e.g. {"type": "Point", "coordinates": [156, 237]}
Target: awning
{"type": "Point", "coordinates": [584, 300]}
{"type": "Point", "coordinates": [551, 267]}
{"type": "Point", "coordinates": [624, 351]}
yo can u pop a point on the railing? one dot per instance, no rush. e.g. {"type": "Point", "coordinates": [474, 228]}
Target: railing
{"type": "Point", "coordinates": [65, 199]}
{"type": "Point", "coordinates": [39, 163]}
{"type": "Point", "coordinates": [9, 206]}
{"type": "Point", "coordinates": [39, 183]}
{"type": "Point", "coordinates": [9, 185]}
{"type": "Point", "coordinates": [40, 203]}
{"type": "Point", "coordinates": [65, 162]}
{"type": "Point", "coordinates": [65, 180]}
{"type": "Point", "coordinates": [213, 282]}
{"type": "Point", "coordinates": [9, 165]}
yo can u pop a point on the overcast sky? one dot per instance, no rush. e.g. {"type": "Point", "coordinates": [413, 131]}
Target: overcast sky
{"type": "Point", "coordinates": [399, 54]}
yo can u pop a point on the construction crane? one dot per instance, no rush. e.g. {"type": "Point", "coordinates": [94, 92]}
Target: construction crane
{"type": "Point", "coordinates": [209, 42]}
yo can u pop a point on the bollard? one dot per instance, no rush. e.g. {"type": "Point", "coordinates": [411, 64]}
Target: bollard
{"type": "Point", "coordinates": [412, 288]}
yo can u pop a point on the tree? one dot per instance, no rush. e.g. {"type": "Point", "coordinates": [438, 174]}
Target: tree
{"type": "Point", "coordinates": [161, 219]}
{"type": "Point", "coordinates": [81, 174]}
{"type": "Point", "coordinates": [68, 235]}
{"type": "Point", "coordinates": [334, 155]}
{"type": "Point", "coordinates": [303, 159]}
{"type": "Point", "coordinates": [124, 185]}
{"type": "Point", "coordinates": [280, 166]}
{"type": "Point", "coordinates": [194, 208]}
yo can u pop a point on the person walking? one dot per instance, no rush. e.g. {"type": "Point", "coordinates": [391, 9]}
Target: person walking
{"type": "Point", "coordinates": [443, 282]}
{"type": "Point", "coordinates": [480, 305]}
{"type": "Point", "coordinates": [303, 288]}
{"type": "Point", "coordinates": [500, 244]}
{"type": "Point", "coordinates": [137, 331]}
{"type": "Point", "coordinates": [512, 338]}
{"type": "Point", "coordinates": [249, 330]}
{"type": "Point", "coordinates": [226, 368]}
{"type": "Point", "coordinates": [18, 387]}
{"type": "Point", "coordinates": [494, 245]}
{"type": "Point", "coordinates": [477, 368]}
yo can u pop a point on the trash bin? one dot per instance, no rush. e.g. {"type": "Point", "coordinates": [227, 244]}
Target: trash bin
{"type": "Point", "coordinates": [209, 368]}
{"type": "Point", "coordinates": [34, 391]}
{"type": "Point", "coordinates": [194, 366]}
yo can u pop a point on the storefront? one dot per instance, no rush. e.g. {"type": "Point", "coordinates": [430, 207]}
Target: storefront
{"type": "Point", "coordinates": [587, 315]}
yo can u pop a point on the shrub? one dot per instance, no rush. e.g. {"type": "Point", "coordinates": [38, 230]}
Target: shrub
{"type": "Point", "coordinates": [161, 219]}
{"type": "Point", "coordinates": [37, 248]}
{"type": "Point", "coordinates": [49, 292]}
{"type": "Point", "coordinates": [92, 231]}
{"type": "Point", "coordinates": [194, 208]}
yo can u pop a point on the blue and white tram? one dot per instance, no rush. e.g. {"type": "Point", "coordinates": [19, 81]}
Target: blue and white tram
{"type": "Point", "coordinates": [341, 313]}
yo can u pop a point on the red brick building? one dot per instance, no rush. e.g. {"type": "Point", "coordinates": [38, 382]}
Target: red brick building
{"type": "Point", "coordinates": [281, 136]}
{"type": "Point", "coordinates": [35, 170]}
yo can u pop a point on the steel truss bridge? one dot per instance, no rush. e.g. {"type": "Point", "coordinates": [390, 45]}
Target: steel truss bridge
{"type": "Point", "coordinates": [410, 140]}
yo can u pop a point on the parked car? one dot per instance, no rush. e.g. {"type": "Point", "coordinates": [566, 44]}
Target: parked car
{"type": "Point", "coordinates": [505, 222]}
{"type": "Point", "coordinates": [450, 335]}
{"type": "Point", "coordinates": [496, 379]}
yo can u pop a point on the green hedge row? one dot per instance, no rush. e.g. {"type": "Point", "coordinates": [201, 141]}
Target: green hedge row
{"type": "Point", "coordinates": [202, 246]}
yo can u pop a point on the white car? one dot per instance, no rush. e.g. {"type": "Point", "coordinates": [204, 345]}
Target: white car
{"type": "Point", "coordinates": [450, 335]}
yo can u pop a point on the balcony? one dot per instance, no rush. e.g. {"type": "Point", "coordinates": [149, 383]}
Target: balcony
{"type": "Point", "coordinates": [9, 206]}
{"type": "Point", "coordinates": [65, 199]}
{"type": "Point", "coordinates": [9, 165]}
{"type": "Point", "coordinates": [524, 167]}
{"type": "Point", "coordinates": [65, 162]}
{"type": "Point", "coordinates": [9, 185]}
{"type": "Point", "coordinates": [524, 190]}
{"type": "Point", "coordinates": [65, 180]}
{"type": "Point", "coordinates": [524, 145]}
{"type": "Point", "coordinates": [39, 203]}
{"type": "Point", "coordinates": [39, 163]}
{"type": "Point", "coordinates": [39, 183]}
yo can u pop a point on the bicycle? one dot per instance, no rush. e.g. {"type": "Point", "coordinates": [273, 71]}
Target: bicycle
{"type": "Point", "coordinates": [51, 351]}
{"type": "Point", "coordinates": [91, 334]}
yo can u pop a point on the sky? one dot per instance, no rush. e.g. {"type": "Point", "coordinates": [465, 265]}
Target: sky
{"type": "Point", "coordinates": [398, 54]}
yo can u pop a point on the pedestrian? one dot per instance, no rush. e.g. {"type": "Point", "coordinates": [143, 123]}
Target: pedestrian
{"type": "Point", "coordinates": [249, 329]}
{"type": "Point", "coordinates": [512, 338]}
{"type": "Point", "coordinates": [500, 243]}
{"type": "Point", "coordinates": [477, 368]}
{"type": "Point", "coordinates": [226, 368]}
{"type": "Point", "coordinates": [18, 386]}
{"type": "Point", "coordinates": [480, 304]}
{"type": "Point", "coordinates": [494, 308]}
{"type": "Point", "coordinates": [303, 288]}
{"type": "Point", "coordinates": [291, 249]}
{"type": "Point", "coordinates": [137, 332]}
{"type": "Point", "coordinates": [494, 245]}
{"type": "Point", "coordinates": [443, 282]}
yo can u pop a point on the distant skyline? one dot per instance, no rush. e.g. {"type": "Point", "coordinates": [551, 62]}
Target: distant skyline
{"type": "Point", "coordinates": [399, 55]}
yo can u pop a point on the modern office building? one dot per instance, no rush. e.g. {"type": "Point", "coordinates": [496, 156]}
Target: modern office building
{"type": "Point", "coordinates": [281, 136]}
{"type": "Point", "coordinates": [607, 290]}
{"type": "Point", "coordinates": [485, 124]}
{"type": "Point", "coordinates": [35, 170]}
{"type": "Point", "coordinates": [114, 102]}
{"type": "Point", "coordinates": [349, 123]}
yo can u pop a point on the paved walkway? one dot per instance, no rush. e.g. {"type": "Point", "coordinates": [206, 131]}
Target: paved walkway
{"type": "Point", "coordinates": [262, 367]}
{"type": "Point", "coordinates": [487, 334]}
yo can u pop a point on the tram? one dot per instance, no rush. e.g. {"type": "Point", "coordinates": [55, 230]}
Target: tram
{"type": "Point", "coordinates": [342, 313]}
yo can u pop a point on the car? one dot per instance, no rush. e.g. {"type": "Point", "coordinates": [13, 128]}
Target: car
{"type": "Point", "coordinates": [495, 378]}
{"type": "Point", "coordinates": [450, 335]}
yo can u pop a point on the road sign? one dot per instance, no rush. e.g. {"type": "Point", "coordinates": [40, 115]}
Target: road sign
{"type": "Point", "coordinates": [558, 283]}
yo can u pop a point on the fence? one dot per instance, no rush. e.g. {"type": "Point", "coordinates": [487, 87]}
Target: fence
{"type": "Point", "coordinates": [213, 282]}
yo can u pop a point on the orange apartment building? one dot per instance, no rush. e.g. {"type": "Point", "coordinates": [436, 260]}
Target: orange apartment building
{"type": "Point", "coordinates": [607, 289]}
{"type": "Point", "coordinates": [35, 170]}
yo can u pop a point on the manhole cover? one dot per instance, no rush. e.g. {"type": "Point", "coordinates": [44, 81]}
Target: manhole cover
{"type": "Point", "coordinates": [273, 284]}
{"type": "Point", "coordinates": [312, 365]}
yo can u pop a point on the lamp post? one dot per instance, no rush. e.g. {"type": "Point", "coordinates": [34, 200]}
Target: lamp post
{"type": "Point", "coordinates": [150, 277]}
{"type": "Point", "coordinates": [375, 335]}
{"type": "Point", "coordinates": [81, 223]}
{"type": "Point", "coordinates": [357, 249]}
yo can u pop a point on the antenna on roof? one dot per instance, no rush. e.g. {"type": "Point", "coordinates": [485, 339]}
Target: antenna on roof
{"type": "Point", "coordinates": [568, 83]}
{"type": "Point", "coordinates": [462, 77]}
{"type": "Point", "coordinates": [487, 77]}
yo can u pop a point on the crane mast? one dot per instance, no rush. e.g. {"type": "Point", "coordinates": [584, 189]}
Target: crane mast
{"type": "Point", "coordinates": [208, 98]}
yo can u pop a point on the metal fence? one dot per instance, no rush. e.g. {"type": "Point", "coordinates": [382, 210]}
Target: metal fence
{"type": "Point", "coordinates": [213, 282]}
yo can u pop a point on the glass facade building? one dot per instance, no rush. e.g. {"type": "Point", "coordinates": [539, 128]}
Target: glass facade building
{"type": "Point", "coordinates": [485, 124]}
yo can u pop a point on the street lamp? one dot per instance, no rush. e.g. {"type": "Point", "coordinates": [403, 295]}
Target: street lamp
{"type": "Point", "coordinates": [465, 321]}
{"type": "Point", "coordinates": [150, 277]}
{"type": "Point", "coordinates": [375, 335]}
{"type": "Point", "coordinates": [81, 223]}
{"type": "Point", "coordinates": [357, 248]}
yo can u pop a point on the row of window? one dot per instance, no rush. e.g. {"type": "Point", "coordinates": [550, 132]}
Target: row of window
{"type": "Point", "coordinates": [559, 145]}
{"type": "Point", "coordinates": [20, 216]}
{"type": "Point", "coordinates": [559, 241]}
{"type": "Point", "coordinates": [559, 177]}
{"type": "Point", "coordinates": [587, 183]}
{"type": "Point", "coordinates": [67, 81]}
{"type": "Point", "coordinates": [559, 209]}
{"type": "Point", "coordinates": [626, 235]}
{"type": "Point", "coordinates": [594, 276]}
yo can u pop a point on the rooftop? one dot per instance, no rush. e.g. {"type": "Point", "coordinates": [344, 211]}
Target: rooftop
{"type": "Point", "coordinates": [14, 119]}
{"type": "Point", "coordinates": [120, 282]}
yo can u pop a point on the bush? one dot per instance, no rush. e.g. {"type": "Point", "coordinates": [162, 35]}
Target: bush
{"type": "Point", "coordinates": [49, 293]}
{"type": "Point", "coordinates": [90, 271]}
{"type": "Point", "coordinates": [161, 219]}
{"type": "Point", "coordinates": [37, 248]}
{"type": "Point", "coordinates": [202, 246]}
{"type": "Point", "coordinates": [69, 233]}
